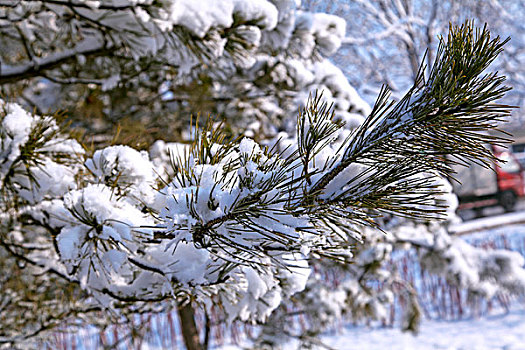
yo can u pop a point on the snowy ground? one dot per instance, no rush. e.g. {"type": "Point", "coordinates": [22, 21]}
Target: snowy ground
{"type": "Point", "coordinates": [489, 222]}
{"type": "Point", "coordinates": [506, 331]}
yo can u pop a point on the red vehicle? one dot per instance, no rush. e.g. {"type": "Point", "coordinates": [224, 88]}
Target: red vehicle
{"type": "Point", "coordinates": [482, 187]}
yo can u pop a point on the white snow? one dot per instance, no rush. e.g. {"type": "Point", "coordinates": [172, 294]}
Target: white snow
{"type": "Point", "coordinates": [200, 16]}
{"type": "Point", "coordinates": [121, 161]}
{"type": "Point", "coordinates": [16, 127]}
{"type": "Point", "coordinates": [488, 223]}
{"type": "Point", "coordinates": [45, 181]}
{"type": "Point", "coordinates": [191, 263]}
{"type": "Point", "coordinates": [34, 181]}
{"type": "Point", "coordinates": [504, 331]}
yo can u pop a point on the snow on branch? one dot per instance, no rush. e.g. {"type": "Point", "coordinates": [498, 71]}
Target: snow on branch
{"type": "Point", "coordinates": [239, 219]}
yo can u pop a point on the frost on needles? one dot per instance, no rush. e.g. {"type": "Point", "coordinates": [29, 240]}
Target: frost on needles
{"type": "Point", "coordinates": [232, 220]}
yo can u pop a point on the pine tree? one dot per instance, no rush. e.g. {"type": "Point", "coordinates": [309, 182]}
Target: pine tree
{"type": "Point", "coordinates": [229, 219]}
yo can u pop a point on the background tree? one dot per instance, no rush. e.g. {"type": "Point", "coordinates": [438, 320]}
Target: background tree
{"type": "Point", "coordinates": [153, 65]}
{"type": "Point", "coordinates": [386, 40]}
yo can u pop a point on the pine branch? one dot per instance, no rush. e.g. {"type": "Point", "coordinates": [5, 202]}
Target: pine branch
{"type": "Point", "coordinates": [444, 116]}
{"type": "Point", "coordinates": [387, 165]}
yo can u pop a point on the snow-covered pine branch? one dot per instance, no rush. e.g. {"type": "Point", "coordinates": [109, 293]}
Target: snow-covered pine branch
{"type": "Point", "coordinates": [234, 219]}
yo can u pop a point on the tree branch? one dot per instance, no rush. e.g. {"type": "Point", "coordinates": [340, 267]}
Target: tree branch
{"type": "Point", "coordinates": [36, 67]}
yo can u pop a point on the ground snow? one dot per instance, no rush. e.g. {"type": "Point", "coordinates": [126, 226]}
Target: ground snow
{"type": "Point", "coordinates": [486, 223]}
{"type": "Point", "coordinates": [200, 16]}
{"type": "Point", "coordinates": [505, 331]}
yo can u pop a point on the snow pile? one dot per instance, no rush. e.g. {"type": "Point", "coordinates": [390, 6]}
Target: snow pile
{"type": "Point", "coordinates": [34, 155]}
{"type": "Point", "coordinates": [121, 163]}
{"type": "Point", "coordinates": [200, 17]}
{"type": "Point", "coordinates": [324, 31]}
{"type": "Point", "coordinates": [481, 272]}
{"type": "Point", "coordinates": [268, 56]}
{"type": "Point", "coordinates": [96, 235]}
{"type": "Point", "coordinates": [109, 241]}
{"type": "Point", "coordinates": [124, 168]}
{"type": "Point", "coordinates": [292, 62]}
{"type": "Point", "coordinates": [198, 236]}
{"type": "Point", "coordinates": [349, 106]}
{"type": "Point", "coordinates": [164, 30]}
{"type": "Point", "coordinates": [161, 152]}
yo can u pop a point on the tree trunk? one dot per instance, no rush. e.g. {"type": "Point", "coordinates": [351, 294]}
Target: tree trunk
{"type": "Point", "coordinates": [188, 327]}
